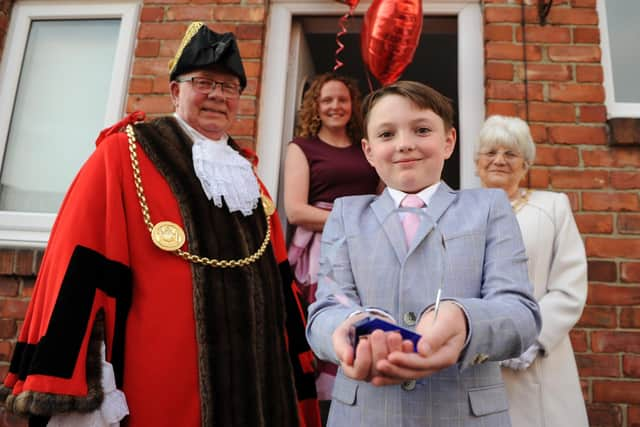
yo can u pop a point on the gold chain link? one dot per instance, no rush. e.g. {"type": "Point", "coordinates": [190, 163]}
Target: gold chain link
{"type": "Point", "coordinates": [522, 200]}
{"type": "Point", "coordinates": [234, 263]}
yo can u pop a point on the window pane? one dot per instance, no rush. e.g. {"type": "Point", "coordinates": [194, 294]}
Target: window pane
{"type": "Point", "coordinates": [624, 33]}
{"type": "Point", "coordinates": [59, 108]}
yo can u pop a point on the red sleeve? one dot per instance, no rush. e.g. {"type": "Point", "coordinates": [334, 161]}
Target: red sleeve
{"type": "Point", "coordinates": [84, 272]}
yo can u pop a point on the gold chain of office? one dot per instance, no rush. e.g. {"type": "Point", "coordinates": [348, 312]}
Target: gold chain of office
{"type": "Point", "coordinates": [170, 237]}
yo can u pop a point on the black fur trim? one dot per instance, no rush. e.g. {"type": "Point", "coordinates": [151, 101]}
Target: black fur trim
{"type": "Point", "coordinates": [57, 352]}
{"type": "Point", "coordinates": [244, 367]}
{"type": "Point", "coordinates": [47, 404]}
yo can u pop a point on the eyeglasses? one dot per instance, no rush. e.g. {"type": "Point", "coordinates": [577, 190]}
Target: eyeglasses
{"type": "Point", "coordinates": [507, 155]}
{"type": "Point", "coordinates": [206, 86]}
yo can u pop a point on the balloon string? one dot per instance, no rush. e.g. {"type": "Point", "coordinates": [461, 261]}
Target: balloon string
{"type": "Point", "coordinates": [343, 30]}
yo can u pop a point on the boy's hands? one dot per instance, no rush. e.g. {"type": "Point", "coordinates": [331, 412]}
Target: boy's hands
{"type": "Point", "coordinates": [385, 359]}
{"type": "Point", "coordinates": [361, 364]}
{"type": "Point", "coordinates": [440, 346]}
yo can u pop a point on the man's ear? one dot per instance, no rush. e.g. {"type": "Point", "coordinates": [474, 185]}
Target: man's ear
{"type": "Point", "coordinates": [450, 142]}
{"type": "Point", "coordinates": [174, 90]}
{"type": "Point", "coordinates": [366, 148]}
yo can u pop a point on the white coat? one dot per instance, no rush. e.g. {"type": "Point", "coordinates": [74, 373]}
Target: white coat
{"type": "Point", "coordinates": [548, 393]}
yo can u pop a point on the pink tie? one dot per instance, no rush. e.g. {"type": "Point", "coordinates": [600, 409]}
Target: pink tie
{"type": "Point", "coordinates": [411, 220]}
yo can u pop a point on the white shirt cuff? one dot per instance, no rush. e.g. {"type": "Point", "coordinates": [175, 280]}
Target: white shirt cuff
{"type": "Point", "coordinates": [372, 310]}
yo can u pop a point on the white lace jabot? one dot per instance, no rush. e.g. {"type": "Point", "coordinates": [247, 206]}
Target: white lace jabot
{"type": "Point", "coordinates": [223, 172]}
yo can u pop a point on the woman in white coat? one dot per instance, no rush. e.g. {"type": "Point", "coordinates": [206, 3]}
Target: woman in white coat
{"type": "Point", "coordinates": [543, 386]}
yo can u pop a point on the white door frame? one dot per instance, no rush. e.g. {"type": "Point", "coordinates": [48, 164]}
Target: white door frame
{"type": "Point", "coordinates": [274, 78]}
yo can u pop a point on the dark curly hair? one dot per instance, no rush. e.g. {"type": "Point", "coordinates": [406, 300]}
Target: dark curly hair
{"type": "Point", "coordinates": [308, 118]}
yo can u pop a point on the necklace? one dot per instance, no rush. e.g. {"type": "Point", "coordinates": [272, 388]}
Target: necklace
{"type": "Point", "coordinates": [170, 237]}
{"type": "Point", "coordinates": [522, 200]}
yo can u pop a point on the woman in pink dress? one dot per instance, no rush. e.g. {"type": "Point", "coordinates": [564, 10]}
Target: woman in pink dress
{"type": "Point", "coordinates": [325, 161]}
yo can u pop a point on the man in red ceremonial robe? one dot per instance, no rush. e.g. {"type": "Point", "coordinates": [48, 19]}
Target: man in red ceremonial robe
{"type": "Point", "coordinates": [165, 290]}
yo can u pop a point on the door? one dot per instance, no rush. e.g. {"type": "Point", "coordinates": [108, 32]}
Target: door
{"type": "Point", "coordinates": [275, 79]}
{"type": "Point", "coordinates": [300, 72]}
{"type": "Point", "coordinates": [435, 63]}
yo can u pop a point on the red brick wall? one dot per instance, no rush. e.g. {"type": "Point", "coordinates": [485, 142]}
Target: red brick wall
{"type": "Point", "coordinates": [18, 270]}
{"type": "Point", "coordinates": [600, 174]}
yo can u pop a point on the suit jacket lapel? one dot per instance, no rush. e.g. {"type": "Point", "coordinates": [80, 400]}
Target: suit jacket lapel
{"type": "Point", "coordinates": [383, 208]}
{"type": "Point", "coordinates": [439, 203]}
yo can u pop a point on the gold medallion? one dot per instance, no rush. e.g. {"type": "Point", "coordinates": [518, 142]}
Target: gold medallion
{"type": "Point", "coordinates": [167, 235]}
{"type": "Point", "coordinates": [267, 204]}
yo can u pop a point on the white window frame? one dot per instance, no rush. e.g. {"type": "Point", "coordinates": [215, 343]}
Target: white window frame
{"type": "Point", "coordinates": [30, 229]}
{"type": "Point", "coordinates": [614, 109]}
{"type": "Point", "coordinates": [274, 77]}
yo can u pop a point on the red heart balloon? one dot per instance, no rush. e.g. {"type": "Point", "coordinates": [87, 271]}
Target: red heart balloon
{"type": "Point", "coordinates": [390, 34]}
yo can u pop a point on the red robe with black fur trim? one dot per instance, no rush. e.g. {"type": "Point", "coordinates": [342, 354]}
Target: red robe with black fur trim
{"type": "Point", "coordinates": [167, 323]}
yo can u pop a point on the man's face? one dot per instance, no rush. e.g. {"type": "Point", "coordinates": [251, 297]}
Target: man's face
{"type": "Point", "coordinates": [406, 145]}
{"type": "Point", "coordinates": [211, 114]}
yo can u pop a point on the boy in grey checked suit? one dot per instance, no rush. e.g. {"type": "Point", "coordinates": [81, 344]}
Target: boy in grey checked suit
{"type": "Point", "coordinates": [468, 244]}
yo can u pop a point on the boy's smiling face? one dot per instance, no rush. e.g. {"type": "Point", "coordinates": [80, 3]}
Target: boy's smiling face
{"type": "Point", "coordinates": [407, 145]}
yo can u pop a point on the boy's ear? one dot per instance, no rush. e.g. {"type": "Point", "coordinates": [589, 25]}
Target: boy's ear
{"type": "Point", "coordinates": [450, 142]}
{"type": "Point", "coordinates": [366, 148]}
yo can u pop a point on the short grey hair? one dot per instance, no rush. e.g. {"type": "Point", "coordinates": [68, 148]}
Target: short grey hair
{"type": "Point", "coordinates": [510, 132]}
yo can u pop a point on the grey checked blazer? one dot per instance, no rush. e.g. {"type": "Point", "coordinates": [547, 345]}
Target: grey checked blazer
{"type": "Point", "coordinates": [476, 249]}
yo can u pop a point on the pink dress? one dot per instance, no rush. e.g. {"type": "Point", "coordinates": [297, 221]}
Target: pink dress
{"type": "Point", "coordinates": [334, 172]}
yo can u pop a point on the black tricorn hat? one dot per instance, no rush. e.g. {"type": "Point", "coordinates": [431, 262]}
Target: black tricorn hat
{"type": "Point", "coordinates": [202, 48]}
